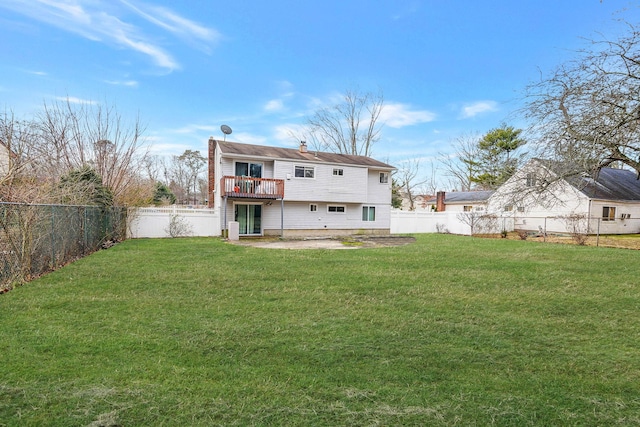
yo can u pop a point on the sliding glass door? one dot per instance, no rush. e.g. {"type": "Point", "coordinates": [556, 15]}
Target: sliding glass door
{"type": "Point", "coordinates": [249, 217]}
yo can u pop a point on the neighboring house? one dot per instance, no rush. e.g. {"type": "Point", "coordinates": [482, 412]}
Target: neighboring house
{"type": "Point", "coordinates": [295, 192]}
{"type": "Point", "coordinates": [459, 201]}
{"type": "Point", "coordinates": [4, 159]}
{"type": "Point", "coordinates": [610, 199]}
{"type": "Point", "coordinates": [420, 202]}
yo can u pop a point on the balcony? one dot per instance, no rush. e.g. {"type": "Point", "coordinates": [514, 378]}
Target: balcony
{"type": "Point", "coordinates": [252, 188]}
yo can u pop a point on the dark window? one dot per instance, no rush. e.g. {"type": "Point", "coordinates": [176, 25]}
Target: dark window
{"type": "Point", "coordinates": [304, 172]}
{"type": "Point", "coordinates": [608, 213]}
{"type": "Point", "coordinates": [368, 213]}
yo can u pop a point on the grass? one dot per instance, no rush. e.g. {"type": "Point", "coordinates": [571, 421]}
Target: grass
{"type": "Point", "coordinates": [448, 330]}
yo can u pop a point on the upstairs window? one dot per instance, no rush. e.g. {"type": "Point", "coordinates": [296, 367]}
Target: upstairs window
{"type": "Point", "coordinates": [338, 172]}
{"type": "Point", "coordinates": [608, 213]}
{"type": "Point", "coordinates": [467, 208]}
{"type": "Point", "coordinates": [253, 170]}
{"type": "Point", "coordinates": [531, 179]}
{"type": "Point", "coordinates": [305, 172]}
{"type": "Point", "coordinates": [384, 177]}
{"type": "Point", "coordinates": [313, 208]}
{"type": "Point", "coordinates": [508, 208]}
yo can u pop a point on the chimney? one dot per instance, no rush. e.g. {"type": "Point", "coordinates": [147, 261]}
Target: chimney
{"type": "Point", "coordinates": [440, 206]}
{"type": "Point", "coordinates": [303, 146]}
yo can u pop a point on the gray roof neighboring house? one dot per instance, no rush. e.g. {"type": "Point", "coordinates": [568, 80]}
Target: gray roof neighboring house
{"type": "Point", "coordinates": [609, 184]}
{"type": "Point", "coordinates": [604, 184]}
{"type": "Point", "coordinates": [312, 156]}
{"type": "Point", "coordinates": [465, 197]}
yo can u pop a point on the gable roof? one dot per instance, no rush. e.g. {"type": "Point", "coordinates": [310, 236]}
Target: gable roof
{"type": "Point", "coordinates": [275, 153]}
{"type": "Point", "coordinates": [610, 184]}
{"type": "Point", "coordinates": [604, 184]}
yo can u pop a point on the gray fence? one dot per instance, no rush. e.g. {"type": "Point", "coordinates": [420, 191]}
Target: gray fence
{"type": "Point", "coordinates": [35, 239]}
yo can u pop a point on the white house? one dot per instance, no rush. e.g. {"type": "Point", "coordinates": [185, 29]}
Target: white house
{"type": "Point", "coordinates": [538, 198]}
{"type": "Point", "coordinates": [4, 159]}
{"type": "Point", "coordinates": [297, 192]}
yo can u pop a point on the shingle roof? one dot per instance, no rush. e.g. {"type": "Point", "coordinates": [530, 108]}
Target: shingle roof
{"type": "Point", "coordinates": [276, 153]}
{"type": "Point", "coordinates": [609, 184]}
{"type": "Point", "coordinates": [465, 196]}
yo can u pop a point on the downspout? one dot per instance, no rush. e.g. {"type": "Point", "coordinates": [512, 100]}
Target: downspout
{"type": "Point", "coordinates": [224, 226]}
{"type": "Point", "coordinates": [281, 218]}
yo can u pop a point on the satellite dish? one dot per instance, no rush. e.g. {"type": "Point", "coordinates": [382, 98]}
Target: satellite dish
{"type": "Point", "coordinates": [226, 130]}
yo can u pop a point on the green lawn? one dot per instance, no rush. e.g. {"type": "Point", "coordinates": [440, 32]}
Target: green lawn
{"type": "Point", "coordinates": [448, 330]}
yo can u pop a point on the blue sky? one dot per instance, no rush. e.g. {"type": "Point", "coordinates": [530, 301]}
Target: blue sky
{"type": "Point", "coordinates": [446, 68]}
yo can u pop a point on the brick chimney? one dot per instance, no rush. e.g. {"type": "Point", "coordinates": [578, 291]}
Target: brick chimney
{"type": "Point", "coordinates": [440, 205]}
{"type": "Point", "coordinates": [303, 146]}
{"type": "Point", "coordinates": [212, 171]}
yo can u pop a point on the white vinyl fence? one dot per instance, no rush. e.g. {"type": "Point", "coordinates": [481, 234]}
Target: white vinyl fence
{"type": "Point", "coordinates": [409, 222]}
{"type": "Point", "coordinates": [165, 221]}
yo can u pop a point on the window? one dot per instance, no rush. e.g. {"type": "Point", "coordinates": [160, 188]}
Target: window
{"type": "Point", "coordinates": [368, 213]}
{"type": "Point", "coordinates": [253, 170]}
{"type": "Point", "coordinates": [338, 172]}
{"type": "Point", "coordinates": [335, 209]}
{"type": "Point", "coordinates": [313, 208]}
{"type": "Point", "coordinates": [520, 208]}
{"type": "Point", "coordinates": [467, 208]}
{"type": "Point", "coordinates": [608, 213]}
{"type": "Point", "coordinates": [531, 179]}
{"type": "Point", "coordinates": [384, 177]}
{"type": "Point", "coordinates": [508, 208]}
{"type": "Point", "coordinates": [304, 172]}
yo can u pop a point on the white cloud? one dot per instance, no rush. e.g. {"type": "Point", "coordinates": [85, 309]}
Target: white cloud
{"type": "Point", "coordinates": [274, 105]}
{"type": "Point", "coordinates": [288, 134]}
{"type": "Point", "coordinates": [174, 23]}
{"type": "Point", "coordinates": [129, 83]}
{"type": "Point", "coordinates": [102, 21]}
{"type": "Point", "coordinates": [472, 110]}
{"type": "Point", "coordinates": [398, 115]}
{"type": "Point", "coordinates": [74, 100]}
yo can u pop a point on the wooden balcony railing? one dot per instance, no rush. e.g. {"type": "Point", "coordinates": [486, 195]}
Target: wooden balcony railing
{"type": "Point", "coordinates": [252, 188]}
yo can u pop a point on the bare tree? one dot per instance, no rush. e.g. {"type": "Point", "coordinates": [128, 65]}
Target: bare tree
{"type": "Point", "coordinates": [409, 181]}
{"type": "Point", "coordinates": [348, 127]}
{"type": "Point", "coordinates": [587, 112]}
{"type": "Point", "coordinates": [186, 174]}
{"type": "Point", "coordinates": [462, 165]}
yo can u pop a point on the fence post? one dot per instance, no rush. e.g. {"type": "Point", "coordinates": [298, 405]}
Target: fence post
{"type": "Point", "coordinates": [53, 238]}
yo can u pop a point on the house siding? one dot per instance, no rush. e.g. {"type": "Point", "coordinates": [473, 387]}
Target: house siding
{"type": "Point", "coordinates": [356, 187]}
{"type": "Point", "coordinates": [351, 187]}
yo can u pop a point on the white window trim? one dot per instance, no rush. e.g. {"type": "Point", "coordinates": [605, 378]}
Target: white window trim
{"type": "Point", "coordinates": [313, 207]}
{"type": "Point", "coordinates": [305, 168]}
{"type": "Point", "coordinates": [344, 207]}
{"type": "Point", "coordinates": [368, 208]}
{"type": "Point", "coordinates": [338, 172]}
{"type": "Point", "coordinates": [249, 163]}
